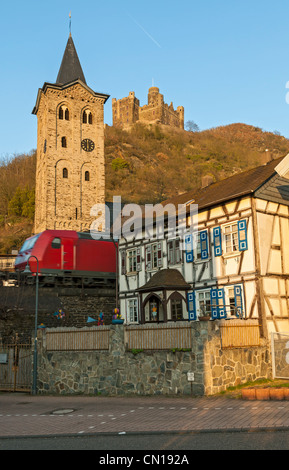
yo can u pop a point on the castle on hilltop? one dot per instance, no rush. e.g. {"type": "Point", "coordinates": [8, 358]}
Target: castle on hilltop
{"type": "Point", "coordinates": [127, 111]}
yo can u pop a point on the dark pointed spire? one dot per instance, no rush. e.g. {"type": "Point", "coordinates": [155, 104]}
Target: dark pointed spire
{"type": "Point", "coordinates": [70, 68]}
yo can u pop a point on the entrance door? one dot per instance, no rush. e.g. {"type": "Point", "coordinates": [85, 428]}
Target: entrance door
{"type": "Point", "coordinates": [67, 254]}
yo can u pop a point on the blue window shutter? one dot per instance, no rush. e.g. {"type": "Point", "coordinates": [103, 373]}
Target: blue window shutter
{"type": "Point", "coordinates": [204, 244]}
{"type": "Point", "coordinates": [189, 248]}
{"type": "Point", "coordinates": [191, 298]}
{"type": "Point", "coordinates": [217, 241]}
{"type": "Point", "coordinates": [214, 303]}
{"type": "Point", "coordinates": [238, 301]}
{"type": "Point", "coordinates": [242, 235]}
{"type": "Point", "coordinates": [221, 304]}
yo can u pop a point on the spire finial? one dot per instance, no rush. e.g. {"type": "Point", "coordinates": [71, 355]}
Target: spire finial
{"type": "Point", "coordinates": [70, 24]}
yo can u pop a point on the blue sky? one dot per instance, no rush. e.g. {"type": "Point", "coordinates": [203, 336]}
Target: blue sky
{"type": "Point", "coordinates": [224, 61]}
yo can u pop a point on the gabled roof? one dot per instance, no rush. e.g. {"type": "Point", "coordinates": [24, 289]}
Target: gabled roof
{"type": "Point", "coordinates": [239, 185]}
{"type": "Point", "coordinates": [166, 279]}
{"type": "Point", "coordinates": [70, 68]}
{"type": "Point", "coordinates": [58, 86]}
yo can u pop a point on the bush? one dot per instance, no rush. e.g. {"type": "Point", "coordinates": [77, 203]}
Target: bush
{"type": "Point", "coordinates": [22, 203]}
{"type": "Point", "coordinates": [119, 164]}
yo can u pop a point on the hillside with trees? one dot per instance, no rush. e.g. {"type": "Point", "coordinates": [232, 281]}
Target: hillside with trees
{"type": "Point", "coordinates": [145, 164]}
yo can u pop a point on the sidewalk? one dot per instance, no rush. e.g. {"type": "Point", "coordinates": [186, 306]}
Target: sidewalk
{"type": "Point", "coordinates": [26, 415]}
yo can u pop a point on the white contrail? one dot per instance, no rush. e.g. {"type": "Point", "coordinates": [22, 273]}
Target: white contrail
{"type": "Point", "coordinates": [141, 27]}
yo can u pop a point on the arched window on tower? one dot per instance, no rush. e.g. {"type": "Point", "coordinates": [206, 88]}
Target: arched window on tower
{"type": "Point", "coordinates": [87, 117]}
{"type": "Point", "coordinates": [86, 176]}
{"type": "Point", "coordinates": [66, 114]}
{"type": "Point", "coordinates": [65, 173]}
{"type": "Point", "coordinates": [60, 114]}
{"type": "Point", "coordinates": [63, 142]}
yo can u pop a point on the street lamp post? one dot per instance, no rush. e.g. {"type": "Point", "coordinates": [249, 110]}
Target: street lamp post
{"type": "Point", "coordinates": [27, 270]}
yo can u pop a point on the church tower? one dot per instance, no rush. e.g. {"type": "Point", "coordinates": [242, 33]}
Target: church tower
{"type": "Point", "coordinates": [70, 173]}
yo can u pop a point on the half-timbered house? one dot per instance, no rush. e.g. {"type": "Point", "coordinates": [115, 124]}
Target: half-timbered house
{"type": "Point", "coordinates": [237, 266]}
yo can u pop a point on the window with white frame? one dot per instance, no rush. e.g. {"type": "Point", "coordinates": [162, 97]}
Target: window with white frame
{"type": "Point", "coordinates": [154, 256]}
{"type": "Point", "coordinates": [231, 238]}
{"type": "Point", "coordinates": [197, 246]}
{"type": "Point", "coordinates": [174, 252]}
{"type": "Point", "coordinates": [198, 252]}
{"type": "Point", "coordinates": [217, 302]}
{"type": "Point", "coordinates": [177, 309]}
{"type": "Point", "coordinates": [204, 303]}
{"type": "Point", "coordinates": [132, 311]}
{"type": "Point", "coordinates": [131, 261]}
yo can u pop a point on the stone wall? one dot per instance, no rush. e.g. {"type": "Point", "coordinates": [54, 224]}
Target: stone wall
{"type": "Point", "coordinates": [17, 309]}
{"type": "Point", "coordinates": [121, 372]}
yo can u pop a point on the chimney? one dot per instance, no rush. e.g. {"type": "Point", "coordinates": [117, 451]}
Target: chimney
{"type": "Point", "coordinates": [207, 180]}
{"type": "Point", "coordinates": [267, 156]}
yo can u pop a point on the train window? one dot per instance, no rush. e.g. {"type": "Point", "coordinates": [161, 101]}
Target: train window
{"type": "Point", "coordinates": [29, 243]}
{"type": "Point", "coordinates": [56, 243]}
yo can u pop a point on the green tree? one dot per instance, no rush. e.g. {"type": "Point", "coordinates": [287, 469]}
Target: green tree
{"type": "Point", "coordinates": [22, 204]}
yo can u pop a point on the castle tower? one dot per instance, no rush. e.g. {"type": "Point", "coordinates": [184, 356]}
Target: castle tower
{"type": "Point", "coordinates": [125, 111]}
{"type": "Point", "coordinates": [70, 176]}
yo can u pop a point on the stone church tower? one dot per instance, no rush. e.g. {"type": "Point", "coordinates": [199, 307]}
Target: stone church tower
{"type": "Point", "coordinates": [70, 176]}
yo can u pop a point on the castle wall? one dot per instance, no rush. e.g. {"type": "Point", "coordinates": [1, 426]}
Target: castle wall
{"type": "Point", "coordinates": [127, 111]}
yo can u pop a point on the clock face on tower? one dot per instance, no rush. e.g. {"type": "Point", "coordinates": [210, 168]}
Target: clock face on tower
{"type": "Point", "coordinates": [87, 145]}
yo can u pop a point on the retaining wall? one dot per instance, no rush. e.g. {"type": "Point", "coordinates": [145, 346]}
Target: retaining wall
{"type": "Point", "coordinates": [118, 371]}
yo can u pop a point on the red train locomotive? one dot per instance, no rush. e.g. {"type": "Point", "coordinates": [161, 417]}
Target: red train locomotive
{"type": "Point", "coordinates": [68, 258]}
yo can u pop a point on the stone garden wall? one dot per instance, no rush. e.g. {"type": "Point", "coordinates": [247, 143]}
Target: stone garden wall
{"type": "Point", "coordinates": [118, 371]}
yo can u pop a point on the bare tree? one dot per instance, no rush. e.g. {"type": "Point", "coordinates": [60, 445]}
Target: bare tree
{"type": "Point", "coordinates": [191, 126]}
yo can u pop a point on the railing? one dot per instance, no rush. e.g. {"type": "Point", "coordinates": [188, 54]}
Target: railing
{"type": "Point", "coordinates": [240, 333]}
{"type": "Point", "coordinates": [158, 337]}
{"type": "Point", "coordinates": [73, 339]}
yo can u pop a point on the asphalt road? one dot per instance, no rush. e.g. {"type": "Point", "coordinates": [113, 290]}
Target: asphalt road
{"type": "Point", "coordinates": [136, 424]}
{"type": "Point", "coordinates": [145, 448]}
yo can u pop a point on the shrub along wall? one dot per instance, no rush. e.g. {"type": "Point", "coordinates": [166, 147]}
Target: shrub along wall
{"type": "Point", "coordinates": [118, 371]}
